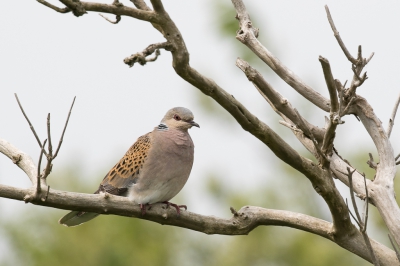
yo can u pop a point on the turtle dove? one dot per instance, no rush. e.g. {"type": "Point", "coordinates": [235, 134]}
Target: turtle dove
{"type": "Point", "coordinates": [154, 169]}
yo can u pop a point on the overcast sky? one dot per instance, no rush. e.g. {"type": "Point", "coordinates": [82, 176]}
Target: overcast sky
{"type": "Point", "coordinates": [48, 58]}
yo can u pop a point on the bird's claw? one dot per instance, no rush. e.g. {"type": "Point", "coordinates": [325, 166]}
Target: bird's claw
{"type": "Point", "coordinates": [177, 207]}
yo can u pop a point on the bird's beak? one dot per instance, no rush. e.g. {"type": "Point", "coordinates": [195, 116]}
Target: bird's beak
{"type": "Point", "coordinates": [194, 124]}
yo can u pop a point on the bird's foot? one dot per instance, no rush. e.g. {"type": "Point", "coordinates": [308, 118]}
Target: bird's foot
{"type": "Point", "coordinates": [177, 207]}
{"type": "Point", "coordinates": [143, 208]}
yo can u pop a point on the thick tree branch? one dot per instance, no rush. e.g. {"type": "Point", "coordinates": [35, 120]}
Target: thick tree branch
{"type": "Point", "coordinates": [76, 7]}
{"type": "Point", "coordinates": [382, 189]}
{"type": "Point", "coordinates": [80, 8]}
{"type": "Point", "coordinates": [242, 223]}
{"type": "Point", "coordinates": [21, 159]}
{"type": "Point", "coordinates": [140, 4]}
{"type": "Point", "coordinates": [247, 36]}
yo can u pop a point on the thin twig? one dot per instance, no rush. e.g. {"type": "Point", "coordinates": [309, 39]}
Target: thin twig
{"type": "Point", "coordinates": [353, 199]}
{"type": "Point", "coordinates": [65, 127]}
{"type": "Point", "coordinates": [369, 58]}
{"type": "Point", "coordinates": [30, 124]}
{"type": "Point", "coordinates": [117, 19]}
{"type": "Point", "coordinates": [396, 249]}
{"type": "Point", "coordinates": [49, 146]}
{"type": "Point", "coordinates": [365, 218]}
{"type": "Point", "coordinates": [338, 38]}
{"type": "Point", "coordinates": [38, 187]}
{"type": "Point", "coordinates": [361, 222]}
{"type": "Point", "coordinates": [348, 106]}
{"type": "Point", "coordinates": [323, 159]}
{"type": "Point", "coordinates": [392, 117]}
{"type": "Point", "coordinates": [352, 215]}
{"type": "Point", "coordinates": [290, 126]}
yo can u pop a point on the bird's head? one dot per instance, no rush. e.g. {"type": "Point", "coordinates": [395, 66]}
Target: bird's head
{"type": "Point", "coordinates": [179, 118]}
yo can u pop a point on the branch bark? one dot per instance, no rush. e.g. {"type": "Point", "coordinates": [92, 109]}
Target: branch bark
{"type": "Point", "coordinates": [247, 36]}
{"type": "Point", "coordinates": [243, 222]}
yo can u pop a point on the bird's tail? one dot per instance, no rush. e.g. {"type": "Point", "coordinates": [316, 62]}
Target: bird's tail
{"type": "Point", "coordinates": [75, 218]}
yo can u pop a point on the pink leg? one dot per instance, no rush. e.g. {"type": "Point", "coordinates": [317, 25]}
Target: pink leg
{"type": "Point", "coordinates": [177, 207]}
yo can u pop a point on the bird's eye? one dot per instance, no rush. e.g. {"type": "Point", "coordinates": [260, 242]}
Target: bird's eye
{"type": "Point", "coordinates": [177, 117]}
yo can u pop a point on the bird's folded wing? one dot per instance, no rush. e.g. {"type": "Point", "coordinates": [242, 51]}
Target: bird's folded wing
{"type": "Point", "coordinates": [127, 171]}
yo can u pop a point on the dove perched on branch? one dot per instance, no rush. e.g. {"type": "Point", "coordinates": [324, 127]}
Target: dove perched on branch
{"type": "Point", "coordinates": [154, 169]}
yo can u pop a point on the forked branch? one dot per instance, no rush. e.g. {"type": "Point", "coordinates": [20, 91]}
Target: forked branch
{"type": "Point", "coordinates": [49, 154]}
{"type": "Point", "coordinates": [247, 36]}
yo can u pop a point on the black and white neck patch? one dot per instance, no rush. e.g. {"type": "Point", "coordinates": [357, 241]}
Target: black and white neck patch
{"type": "Point", "coordinates": [162, 127]}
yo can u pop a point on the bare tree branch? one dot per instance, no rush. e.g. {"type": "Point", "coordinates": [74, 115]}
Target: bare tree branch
{"type": "Point", "coordinates": [80, 8]}
{"type": "Point", "coordinates": [325, 186]}
{"type": "Point", "coordinates": [247, 35]}
{"type": "Point", "coordinates": [140, 4]}
{"type": "Point", "coordinates": [58, 9]}
{"type": "Point", "coordinates": [382, 188]}
{"type": "Point", "coordinates": [38, 186]}
{"type": "Point", "coordinates": [30, 124]}
{"type": "Point", "coordinates": [21, 159]}
{"type": "Point", "coordinates": [362, 221]}
{"type": "Point", "coordinates": [157, 6]}
{"type": "Point", "coordinates": [246, 220]}
{"type": "Point", "coordinates": [276, 100]}
{"type": "Point", "coordinates": [330, 83]}
{"type": "Point", "coordinates": [338, 38]}
{"type": "Point", "coordinates": [141, 56]}
{"type": "Point", "coordinates": [65, 128]}
{"type": "Point", "coordinates": [76, 6]}
{"type": "Point", "coordinates": [117, 19]}
{"type": "Point", "coordinates": [396, 249]}
{"type": "Point", "coordinates": [327, 144]}
{"type": "Point", "coordinates": [392, 117]}
{"type": "Point", "coordinates": [357, 64]}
